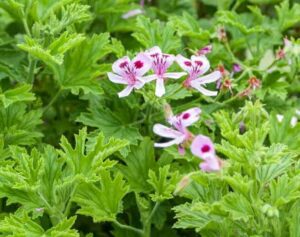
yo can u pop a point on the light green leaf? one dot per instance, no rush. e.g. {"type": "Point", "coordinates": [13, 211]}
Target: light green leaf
{"type": "Point", "coordinates": [154, 33]}
{"type": "Point", "coordinates": [163, 184]}
{"type": "Point", "coordinates": [21, 93]}
{"type": "Point", "coordinates": [102, 202]}
{"type": "Point", "coordinates": [138, 164]}
{"type": "Point", "coordinates": [87, 161]}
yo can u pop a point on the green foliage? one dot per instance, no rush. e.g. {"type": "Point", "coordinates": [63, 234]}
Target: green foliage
{"type": "Point", "coordinates": [150, 33]}
{"type": "Point", "coordinates": [103, 202]}
{"type": "Point", "coordinates": [76, 160]}
{"type": "Point", "coordinates": [163, 183]}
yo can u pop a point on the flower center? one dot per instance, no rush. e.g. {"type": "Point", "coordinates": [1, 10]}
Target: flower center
{"type": "Point", "coordinates": [205, 148]}
{"type": "Point", "coordinates": [186, 116]}
{"type": "Point", "coordinates": [138, 64]}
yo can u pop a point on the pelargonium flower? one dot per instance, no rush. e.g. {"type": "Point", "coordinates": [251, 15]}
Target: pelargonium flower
{"type": "Point", "coordinates": [160, 63]}
{"type": "Point", "coordinates": [203, 147]}
{"type": "Point", "coordinates": [130, 72]}
{"type": "Point", "coordinates": [197, 66]}
{"type": "Point", "coordinates": [178, 133]}
{"type": "Point", "coordinates": [205, 50]}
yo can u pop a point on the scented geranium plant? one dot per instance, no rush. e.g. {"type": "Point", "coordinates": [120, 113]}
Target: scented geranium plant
{"type": "Point", "coordinates": [149, 118]}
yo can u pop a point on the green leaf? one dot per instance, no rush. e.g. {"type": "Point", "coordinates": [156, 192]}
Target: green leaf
{"type": "Point", "coordinates": [238, 207]}
{"type": "Point", "coordinates": [112, 124]}
{"type": "Point", "coordinates": [163, 184]}
{"type": "Point", "coordinates": [20, 224]}
{"type": "Point", "coordinates": [14, 8]}
{"type": "Point", "coordinates": [284, 190]}
{"type": "Point", "coordinates": [138, 164]}
{"type": "Point", "coordinates": [190, 216]}
{"type": "Point", "coordinates": [233, 19]}
{"type": "Point", "coordinates": [19, 127]}
{"type": "Point", "coordinates": [288, 17]}
{"type": "Point", "coordinates": [102, 202]}
{"type": "Point", "coordinates": [21, 93]}
{"type": "Point", "coordinates": [187, 25]}
{"type": "Point", "coordinates": [87, 161]}
{"type": "Point", "coordinates": [81, 74]}
{"type": "Point", "coordinates": [53, 54]}
{"type": "Point", "coordinates": [154, 33]}
{"type": "Point", "coordinates": [295, 219]}
{"type": "Point", "coordinates": [266, 173]}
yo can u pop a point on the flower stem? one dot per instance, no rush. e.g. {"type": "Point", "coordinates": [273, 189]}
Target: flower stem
{"type": "Point", "coordinates": [32, 65]}
{"type": "Point", "coordinates": [55, 97]}
{"type": "Point", "coordinates": [127, 227]}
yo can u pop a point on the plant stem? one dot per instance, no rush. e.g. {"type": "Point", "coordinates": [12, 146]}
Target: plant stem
{"type": "Point", "coordinates": [26, 27]}
{"type": "Point", "coordinates": [53, 100]}
{"type": "Point", "coordinates": [127, 227]}
{"type": "Point", "coordinates": [148, 221]}
{"type": "Point", "coordinates": [147, 225]}
{"type": "Point", "coordinates": [32, 65]}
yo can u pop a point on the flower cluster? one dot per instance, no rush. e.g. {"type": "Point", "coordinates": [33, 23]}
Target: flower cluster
{"type": "Point", "coordinates": [200, 145]}
{"type": "Point", "coordinates": [132, 72]}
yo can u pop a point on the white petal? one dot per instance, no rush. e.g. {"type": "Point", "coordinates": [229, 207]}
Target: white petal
{"type": "Point", "coordinates": [214, 76]}
{"type": "Point", "coordinates": [160, 87]}
{"type": "Point", "coordinates": [141, 64]}
{"type": "Point", "coordinates": [174, 75]}
{"type": "Point", "coordinates": [139, 84]}
{"type": "Point", "coordinates": [204, 61]}
{"type": "Point", "coordinates": [132, 13]}
{"type": "Point", "coordinates": [116, 79]}
{"type": "Point", "coordinates": [170, 143]}
{"type": "Point", "coordinates": [118, 66]}
{"type": "Point", "coordinates": [126, 91]}
{"type": "Point", "coordinates": [184, 63]}
{"type": "Point", "coordinates": [164, 131]}
{"type": "Point", "coordinates": [190, 116]}
{"type": "Point", "coordinates": [169, 58]}
{"type": "Point", "coordinates": [154, 50]}
{"type": "Point", "coordinates": [148, 78]}
{"type": "Point", "coordinates": [202, 90]}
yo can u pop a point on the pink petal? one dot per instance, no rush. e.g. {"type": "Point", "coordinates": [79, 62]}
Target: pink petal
{"type": "Point", "coordinates": [204, 63]}
{"type": "Point", "coordinates": [210, 164]}
{"type": "Point", "coordinates": [190, 116]}
{"type": "Point", "coordinates": [164, 131]}
{"type": "Point", "coordinates": [160, 87]}
{"type": "Point", "coordinates": [181, 150]}
{"type": "Point", "coordinates": [202, 90]}
{"type": "Point", "coordinates": [174, 75]}
{"type": "Point", "coordinates": [184, 63]}
{"type": "Point", "coordinates": [116, 79]}
{"type": "Point", "coordinates": [202, 147]}
{"type": "Point", "coordinates": [214, 76]}
{"type": "Point", "coordinates": [119, 66]}
{"type": "Point", "coordinates": [141, 64]}
{"type": "Point", "coordinates": [126, 91]}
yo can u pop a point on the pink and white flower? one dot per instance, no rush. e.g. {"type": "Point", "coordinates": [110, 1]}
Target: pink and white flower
{"type": "Point", "coordinates": [197, 66]}
{"type": "Point", "coordinates": [178, 133]}
{"type": "Point", "coordinates": [130, 72]}
{"type": "Point", "coordinates": [160, 63]}
{"type": "Point", "coordinates": [203, 147]}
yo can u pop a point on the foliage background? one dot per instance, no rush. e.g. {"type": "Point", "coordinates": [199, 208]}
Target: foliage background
{"type": "Point", "coordinates": [78, 161]}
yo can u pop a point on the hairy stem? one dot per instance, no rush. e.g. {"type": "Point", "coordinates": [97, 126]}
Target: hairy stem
{"type": "Point", "coordinates": [55, 97]}
{"type": "Point", "coordinates": [127, 227]}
